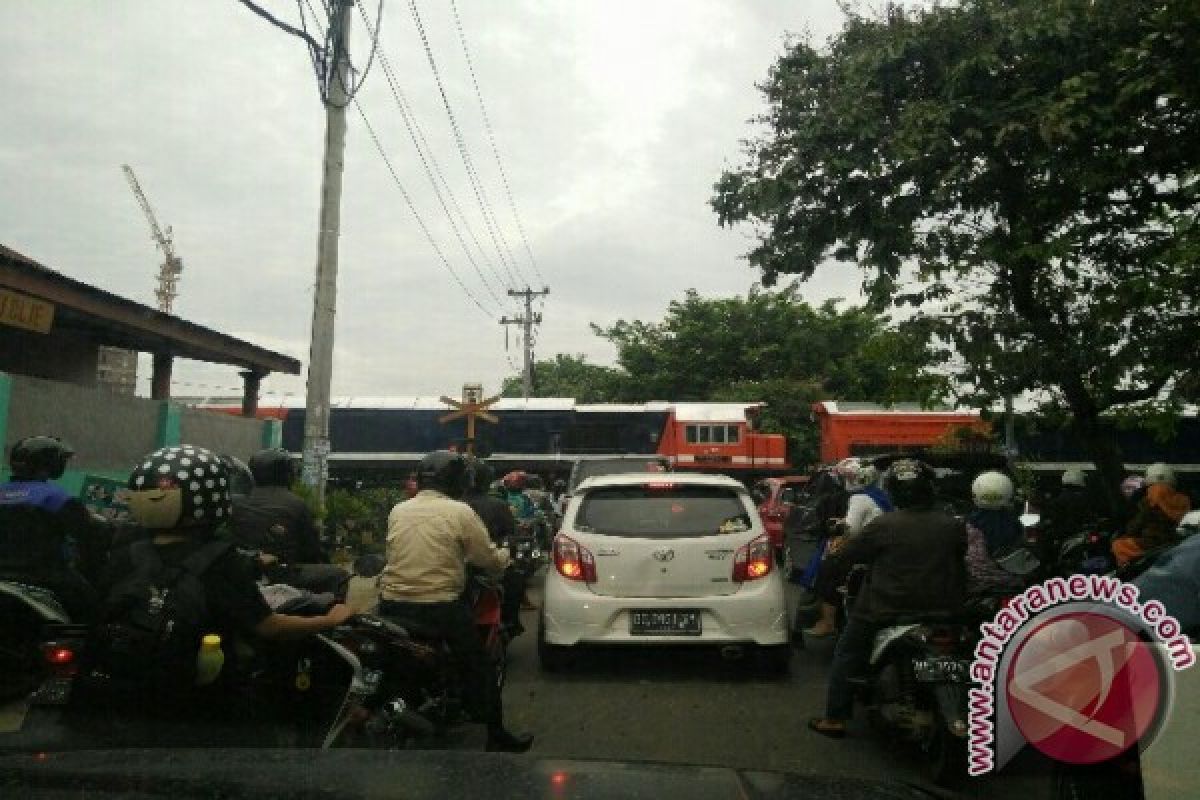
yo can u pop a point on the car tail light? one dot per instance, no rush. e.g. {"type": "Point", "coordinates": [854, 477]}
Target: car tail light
{"type": "Point", "coordinates": [573, 561]}
{"type": "Point", "coordinates": [753, 560]}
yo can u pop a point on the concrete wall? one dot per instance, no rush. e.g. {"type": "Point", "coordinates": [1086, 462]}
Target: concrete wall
{"type": "Point", "coordinates": [59, 355]}
{"type": "Point", "coordinates": [111, 432]}
{"type": "Point", "coordinates": [235, 436]}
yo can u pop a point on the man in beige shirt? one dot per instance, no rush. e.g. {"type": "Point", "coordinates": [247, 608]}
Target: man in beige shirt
{"type": "Point", "coordinates": [431, 538]}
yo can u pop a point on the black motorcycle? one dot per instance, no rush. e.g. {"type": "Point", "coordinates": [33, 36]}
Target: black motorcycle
{"type": "Point", "coordinates": [916, 690]}
{"type": "Point", "coordinates": [25, 611]}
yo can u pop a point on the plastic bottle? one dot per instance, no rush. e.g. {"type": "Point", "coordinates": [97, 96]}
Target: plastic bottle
{"type": "Point", "coordinates": [209, 660]}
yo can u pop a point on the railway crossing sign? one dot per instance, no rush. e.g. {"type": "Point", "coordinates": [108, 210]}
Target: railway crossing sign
{"type": "Point", "coordinates": [473, 406]}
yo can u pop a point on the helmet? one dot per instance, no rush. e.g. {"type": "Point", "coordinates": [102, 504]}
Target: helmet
{"type": "Point", "coordinates": [910, 483]}
{"type": "Point", "coordinates": [482, 476]}
{"type": "Point", "coordinates": [1131, 485]}
{"type": "Point", "coordinates": [515, 481]}
{"type": "Point", "coordinates": [1074, 477]}
{"type": "Point", "coordinates": [444, 471]}
{"type": "Point", "coordinates": [848, 470]}
{"type": "Point", "coordinates": [1160, 473]}
{"type": "Point", "coordinates": [272, 467]}
{"type": "Point", "coordinates": [179, 487]}
{"type": "Point", "coordinates": [992, 490]}
{"type": "Point", "coordinates": [39, 458]}
{"type": "Point", "coordinates": [241, 479]}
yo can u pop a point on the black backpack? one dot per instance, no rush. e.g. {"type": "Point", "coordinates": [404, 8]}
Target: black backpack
{"type": "Point", "coordinates": [153, 621]}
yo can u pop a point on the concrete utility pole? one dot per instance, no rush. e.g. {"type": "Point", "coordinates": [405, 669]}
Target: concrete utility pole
{"type": "Point", "coordinates": [320, 353]}
{"type": "Point", "coordinates": [527, 321]}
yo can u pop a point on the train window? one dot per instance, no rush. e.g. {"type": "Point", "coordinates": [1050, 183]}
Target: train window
{"type": "Point", "coordinates": [691, 434]}
{"type": "Point", "coordinates": [718, 434]}
{"type": "Point", "coordinates": [733, 434]}
{"type": "Point", "coordinates": [703, 433]}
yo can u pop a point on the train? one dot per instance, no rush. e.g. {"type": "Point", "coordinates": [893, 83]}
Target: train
{"type": "Point", "coordinates": [375, 439]}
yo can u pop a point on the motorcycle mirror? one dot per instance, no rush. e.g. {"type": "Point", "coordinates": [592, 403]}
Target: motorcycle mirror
{"type": "Point", "coordinates": [369, 566]}
{"type": "Point", "coordinates": [1030, 520]}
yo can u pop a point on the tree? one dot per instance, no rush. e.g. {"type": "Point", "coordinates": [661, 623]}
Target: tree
{"type": "Point", "coordinates": [771, 346]}
{"type": "Point", "coordinates": [1022, 173]}
{"type": "Point", "coordinates": [570, 376]}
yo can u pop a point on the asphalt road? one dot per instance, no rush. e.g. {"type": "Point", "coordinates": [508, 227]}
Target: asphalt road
{"type": "Point", "coordinates": [691, 707]}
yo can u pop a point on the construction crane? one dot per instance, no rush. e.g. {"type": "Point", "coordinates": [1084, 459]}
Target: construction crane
{"type": "Point", "coordinates": [172, 266]}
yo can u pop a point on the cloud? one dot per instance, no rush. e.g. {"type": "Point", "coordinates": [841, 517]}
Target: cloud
{"type": "Point", "coordinates": [613, 121]}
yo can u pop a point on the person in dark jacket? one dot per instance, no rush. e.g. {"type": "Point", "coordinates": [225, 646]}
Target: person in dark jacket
{"type": "Point", "coordinates": [1067, 513]}
{"type": "Point", "coordinates": [275, 521]}
{"type": "Point", "coordinates": [48, 538]}
{"type": "Point", "coordinates": [916, 559]}
{"type": "Point", "coordinates": [498, 518]}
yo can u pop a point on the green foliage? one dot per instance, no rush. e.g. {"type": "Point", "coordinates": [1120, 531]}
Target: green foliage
{"type": "Point", "coordinates": [765, 346]}
{"type": "Point", "coordinates": [1022, 173]}
{"type": "Point", "coordinates": [570, 376]}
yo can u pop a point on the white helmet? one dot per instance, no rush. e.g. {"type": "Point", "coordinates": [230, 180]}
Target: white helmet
{"type": "Point", "coordinates": [992, 490]}
{"type": "Point", "coordinates": [1160, 473]}
{"type": "Point", "coordinates": [1074, 477]}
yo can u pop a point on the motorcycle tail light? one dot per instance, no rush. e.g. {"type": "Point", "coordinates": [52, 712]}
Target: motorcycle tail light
{"type": "Point", "coordinates": [573, 561]}
{"type": "Point", "coordinates": [58, 656]}
{"type": "Point", "coordinates": [753, 560]}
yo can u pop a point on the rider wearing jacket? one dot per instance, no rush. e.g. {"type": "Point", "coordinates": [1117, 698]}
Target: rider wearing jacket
{"type": "Point", "coordinates": [47, 537]}
{"type": "Point", "coordinates": [431, 539]}
{"type": "Point", "coordinates": [498, 519]}
{"type": "Point", "coordinates": [275, 521]}
{"type": "Point", "coordinates": [916, 564]}
{"type": "Point", "coordinates": [992, 529]}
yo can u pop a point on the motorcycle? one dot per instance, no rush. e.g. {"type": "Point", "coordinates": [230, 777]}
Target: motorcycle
{"type": "Point", "coordinates": [25, 610]}
{"type": "Point", "coordinates": [526, 552]}
{"type": "Point", "coordinates": [916, 690]}
{"type": "Point", "coordinates": [421, 691]}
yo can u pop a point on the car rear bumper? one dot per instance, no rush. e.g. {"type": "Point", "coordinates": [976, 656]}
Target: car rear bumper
{"type": "Point", "coordinates": [754, 615]}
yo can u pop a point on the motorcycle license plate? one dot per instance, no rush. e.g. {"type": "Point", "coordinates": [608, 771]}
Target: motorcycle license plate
{"type": "Point", "coordinates": [664, 623]}
{"type": "Point", "coordinates": [940, 670]}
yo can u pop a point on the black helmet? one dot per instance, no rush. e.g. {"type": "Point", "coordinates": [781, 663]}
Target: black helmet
{"type": "Point", "coordinates": [241, 479]}
{"type": "Point", "coordinates": [39, 458]}
{"type": "Point", "coordinates": [444, 471]}
{"type": "Point", "coordinates": [272, 467]}
{"type": "Point", "coordinates": [482, 476]}
{"type": "Point", "coordinates": [180, 487]}
{"type": "Point", "coordinates": [910, 483]}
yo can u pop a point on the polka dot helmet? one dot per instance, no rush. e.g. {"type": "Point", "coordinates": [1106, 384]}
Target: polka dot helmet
{"type": "Point", "coordinates": [183, 486]}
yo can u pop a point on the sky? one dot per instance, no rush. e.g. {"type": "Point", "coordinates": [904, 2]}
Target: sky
{"type": "Point", "coordinates": [612, 120]}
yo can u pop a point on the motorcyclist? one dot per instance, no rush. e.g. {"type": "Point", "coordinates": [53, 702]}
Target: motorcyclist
{"type": "Point", "coordinates": [993, 528]}
{"type": "Point", "coordinates": [180, 497]}
{"type": "Point", "coordinates": [498, 519]}
{"type": "Point", "coordinates": [47, 537]}
{"type": "Point", "coordinates": [275, 521]}
{"type": "Point", "coordinates": [865, 501]}
{"type": "Point", "coordinates": [431, 539]}
{"type": "Point", "coordinates": [916, 566]}
{"type": "Point", "coordinates": [1067, 513]}
{"type": "Point", "coordinates": [522, 505]}
{"type": "Point", "coordinates": [1157, 516]}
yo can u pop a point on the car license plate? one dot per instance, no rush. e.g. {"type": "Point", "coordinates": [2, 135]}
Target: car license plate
{"type": "Point", "coordinates": [664, 623]}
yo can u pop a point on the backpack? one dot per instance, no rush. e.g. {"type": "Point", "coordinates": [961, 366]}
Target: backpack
{"type": "Point", "coordinates": [153, 621]}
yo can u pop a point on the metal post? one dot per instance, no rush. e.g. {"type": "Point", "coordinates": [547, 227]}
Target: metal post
{"type": "Point", "coordinates": [1010, 427]}
{"type": "Point", "coordinates": [527, 321]}
{"type": "Point", "coordinates": [320, 354]}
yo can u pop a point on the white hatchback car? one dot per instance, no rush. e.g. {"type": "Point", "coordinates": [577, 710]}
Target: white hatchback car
{"type": "Point", "coordinates": [665, 558]}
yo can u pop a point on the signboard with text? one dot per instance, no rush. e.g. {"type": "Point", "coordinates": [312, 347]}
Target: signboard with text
{"type": "Point", "coordinates": [22, 311]}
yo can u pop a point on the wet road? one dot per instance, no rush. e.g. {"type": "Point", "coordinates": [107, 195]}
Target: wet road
{"type": "Point", "coordinates": [692, 707]}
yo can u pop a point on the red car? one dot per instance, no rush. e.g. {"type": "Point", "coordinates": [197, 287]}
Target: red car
{"type": "Point", "coordinates": [775, 498]}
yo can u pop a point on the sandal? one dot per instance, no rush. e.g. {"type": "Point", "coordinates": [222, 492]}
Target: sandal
{"type": "Point", "coordinates": [825, 728]}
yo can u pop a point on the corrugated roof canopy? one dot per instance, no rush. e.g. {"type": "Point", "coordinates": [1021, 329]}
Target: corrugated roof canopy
{"type": "Point", "coordinates": [116, 321]}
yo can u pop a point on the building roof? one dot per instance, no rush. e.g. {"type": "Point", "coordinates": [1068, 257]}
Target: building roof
{"type": "Point", "coordinates": [842, 407]}
{"type": "Point", "coordinates": [109, 319]}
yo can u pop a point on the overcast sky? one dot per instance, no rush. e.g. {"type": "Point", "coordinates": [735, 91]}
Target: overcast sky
{"type": "Point", "coordinates": [613, 120]}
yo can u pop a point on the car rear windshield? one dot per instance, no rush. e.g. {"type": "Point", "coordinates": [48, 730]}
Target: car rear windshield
{"type": "Point", "coordinates": [662, 510]}
{"type": "Point", "coordinates": [590, 469]}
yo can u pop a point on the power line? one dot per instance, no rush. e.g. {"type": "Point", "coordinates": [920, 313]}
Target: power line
{"type": "Point", "coordinates": [412, 207]}
{"type": "Point", "coordinates": [431, 166]}
{"type": "Point", "coordinates": [487, 124]}
{"type": "Point", "coordinates": [489, 220]}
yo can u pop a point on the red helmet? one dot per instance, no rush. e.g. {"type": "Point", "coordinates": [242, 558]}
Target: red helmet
{"type": "Point", "coordinates": [515, 481]}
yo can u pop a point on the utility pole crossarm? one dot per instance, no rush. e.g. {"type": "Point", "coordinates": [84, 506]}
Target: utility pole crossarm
{"type": "Point", "coordinates": [526, 321]}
